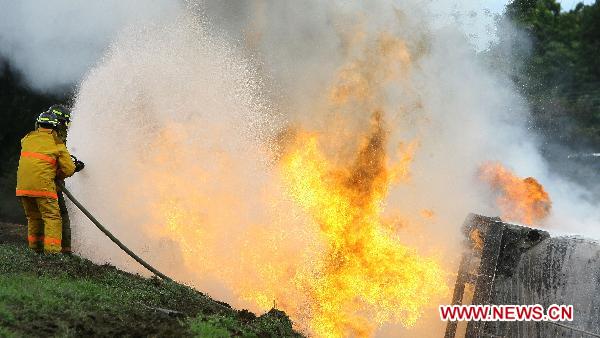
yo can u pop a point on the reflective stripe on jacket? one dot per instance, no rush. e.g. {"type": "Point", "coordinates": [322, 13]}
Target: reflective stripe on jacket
{"type": "Point", "coordinates": [43, 157]}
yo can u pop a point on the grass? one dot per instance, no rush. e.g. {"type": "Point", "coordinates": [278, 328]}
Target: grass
{"type": "Point", "coordinates": [67, 296]}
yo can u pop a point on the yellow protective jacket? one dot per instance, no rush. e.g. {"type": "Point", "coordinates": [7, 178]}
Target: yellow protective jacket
{"type": "Point", "coordinates": [44, 157]}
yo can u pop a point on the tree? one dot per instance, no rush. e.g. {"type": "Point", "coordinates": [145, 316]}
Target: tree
{"type": "Point", "coordinates": [562, 74]}
{"type": "Point", "coordinates": [19, 107]}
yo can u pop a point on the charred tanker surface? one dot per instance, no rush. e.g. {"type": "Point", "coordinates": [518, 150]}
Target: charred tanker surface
{"type": "Point", "coordinates": [510, 264]}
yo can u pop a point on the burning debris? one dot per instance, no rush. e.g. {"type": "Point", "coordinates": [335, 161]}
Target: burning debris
{"type": "Point", "coordinates": [508, 264]}
{"type": "Point", "coordinates": [520, 200]}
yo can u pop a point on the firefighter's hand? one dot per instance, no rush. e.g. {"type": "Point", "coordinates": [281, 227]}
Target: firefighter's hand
{"type": "Point", "coordinates": [79, 166]}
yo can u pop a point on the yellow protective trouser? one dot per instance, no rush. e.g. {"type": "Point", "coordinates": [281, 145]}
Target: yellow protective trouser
{"type": "Point", "coordinates": [44, 224]}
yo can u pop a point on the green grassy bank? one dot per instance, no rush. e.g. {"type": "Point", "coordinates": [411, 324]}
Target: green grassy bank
{"type": "Point", "coordinates": [68, 296]}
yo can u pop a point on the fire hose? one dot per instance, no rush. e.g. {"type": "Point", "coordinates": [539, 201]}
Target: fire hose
{"type": "Point", "coordinates": [109, 234]}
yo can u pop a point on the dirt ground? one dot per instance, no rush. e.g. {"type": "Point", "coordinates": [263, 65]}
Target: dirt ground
{"type": "Point", "coordinates": [13, 233]}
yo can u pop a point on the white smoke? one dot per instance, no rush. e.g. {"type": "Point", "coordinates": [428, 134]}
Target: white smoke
{"type": "Point", "coordinates": [54, 43]}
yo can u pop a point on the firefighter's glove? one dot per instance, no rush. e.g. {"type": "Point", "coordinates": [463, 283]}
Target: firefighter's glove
{"type": "Point", "coordinates": [79, 166]}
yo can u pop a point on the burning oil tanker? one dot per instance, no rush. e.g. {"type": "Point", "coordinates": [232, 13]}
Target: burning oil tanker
{"type": "Point", "coordinates": [508, 264]}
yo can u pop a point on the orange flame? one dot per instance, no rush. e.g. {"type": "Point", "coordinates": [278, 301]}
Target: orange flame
{"type": "Point", "coordinates": [520, 200]}
{"type": "Point", "coordinates": [366, 277]}
{"type": "Point", "coordinates": [476, 239]}
{"type": "Point", "coordinates": [365, 273]}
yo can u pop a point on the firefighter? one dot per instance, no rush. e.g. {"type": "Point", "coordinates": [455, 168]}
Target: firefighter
{"type": "Point", "coordinates": [44, 158]}
{"type": "Point", "coordinates": [63, 115]}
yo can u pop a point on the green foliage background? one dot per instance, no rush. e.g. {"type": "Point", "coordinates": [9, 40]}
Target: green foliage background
{"type": "Point", "coordinates": [561, 74]}
{"type": "Point", "coordinates": [19, 107]}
